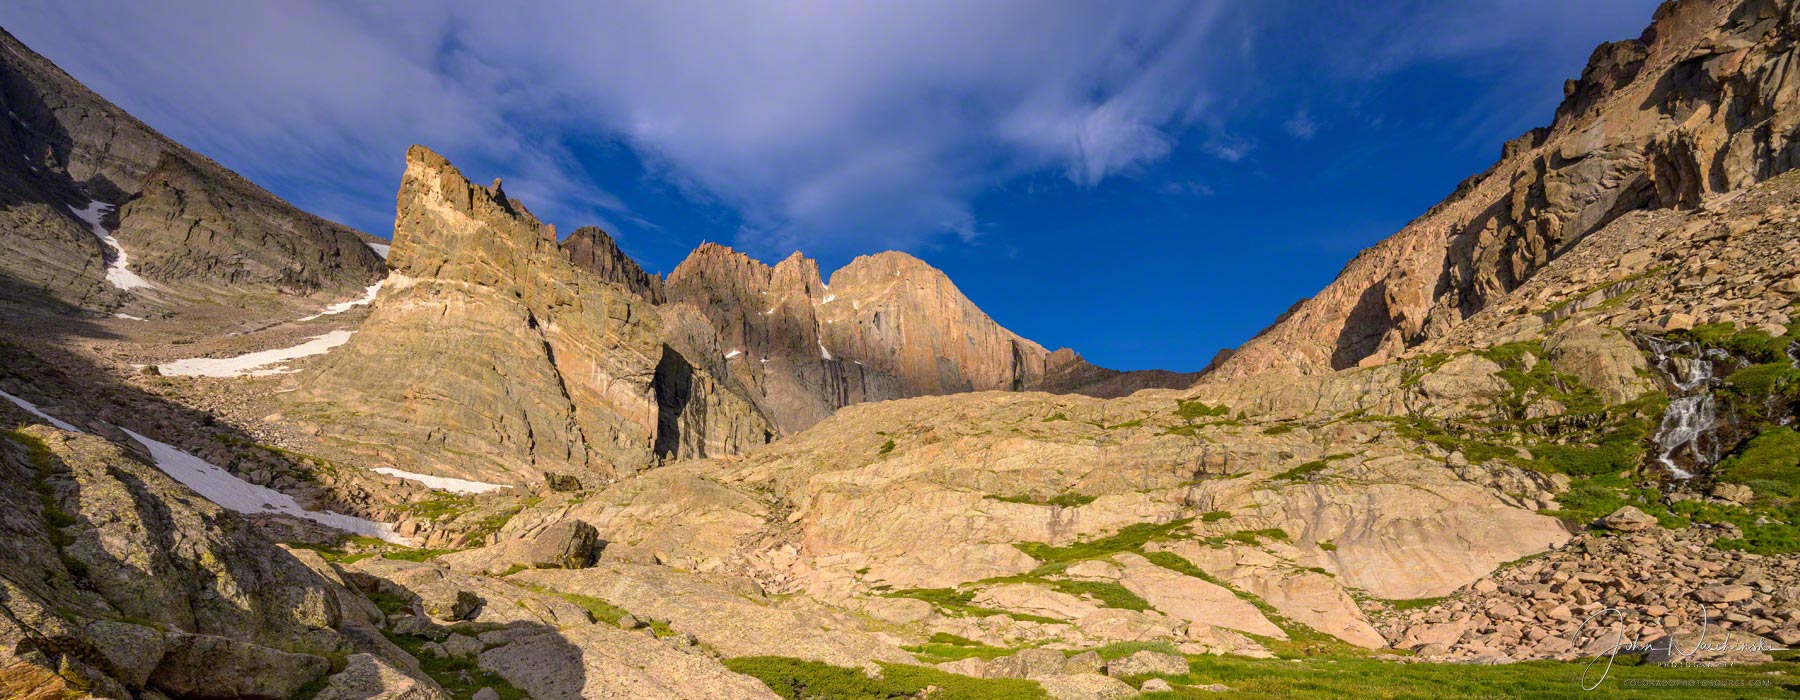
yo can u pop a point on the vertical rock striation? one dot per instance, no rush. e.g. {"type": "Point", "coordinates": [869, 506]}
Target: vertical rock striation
{"type": "Point", "coordinates": [489, 355]}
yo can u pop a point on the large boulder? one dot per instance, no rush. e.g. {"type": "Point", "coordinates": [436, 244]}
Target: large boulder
{"type": "Point", "coordinates": [200, 665]}
{"type": "Point", "coordinates": [366, 677]}
{"type": "Point", "coordinates": [1627, 519]}
{"type": "Point", "coordinates": [1147, 662]}
{"type": "Point", "coordinates": [1602, 359]}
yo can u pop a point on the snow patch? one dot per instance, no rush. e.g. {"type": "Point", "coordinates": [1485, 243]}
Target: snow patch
{"type": "Point", "coordinates": [116, 271]}
{"type": "Point", "coordinates": [380, 249]}
{"type": "Point", "coordinates": [828, 299]}
{"type": "Point", "coordinates": [33, 410]}
{"type": "Point", "coordinates": [342, 306]}
{"type": "Point", "coordinates": [130, 317]}
{"type": "Point", "coordinates": [226, 489]}
{"type": "Point", "coordinates": [823, 353]}
{"type": "Point", "coordinates": [442, 483]}
{"type": "Point", "coordinates": [256, 364]}
{"type": "Point", "coordinates": [733, 353]}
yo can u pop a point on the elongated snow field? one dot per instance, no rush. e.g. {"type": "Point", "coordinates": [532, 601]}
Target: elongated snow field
{"type": "Point", "coordinates": [226, 489]}
{"type": "Point", "coordinates": [117, 271]}
{"type": "Point", "coordinates": [342, 306]}
{"type": "Point", "coordinates": [256, 364]}
{"type": "Point", "coordinates": [442, 483]}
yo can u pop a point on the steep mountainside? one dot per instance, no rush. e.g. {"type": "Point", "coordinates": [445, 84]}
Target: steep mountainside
{"type": "Point", "coordinates": [100, 211]}
{"type": "Point", "coordinates": [1704, 102]}
{"type": "Point", "coordinates": [490, 356]}
{"type": "Point", "coordinates": [887, 326]}
{"type": "Point", "coordinates": [591, 249]}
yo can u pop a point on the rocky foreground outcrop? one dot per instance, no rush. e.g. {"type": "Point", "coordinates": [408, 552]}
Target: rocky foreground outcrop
{"type": "Point", "coordinates": [490, 356]}
{"type": "Point", "coordinates": [119, 582]}
{"type": "Point", "coordinates": [194, 229]}
{"type": "Point", "coordinates": [1703, 103]}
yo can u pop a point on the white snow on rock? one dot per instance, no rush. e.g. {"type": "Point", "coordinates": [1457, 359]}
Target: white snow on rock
{"type": "Point", "coordinates": [116, 271]}
{"type": "Point", "coordinates": [342, 306]}
{"type": "Point", "coordinates": [823, 353]}
{"type": "Point", "coordinates": [130, 317]}
{"type": "Point", "coordinates": [828, 299]}
{"type": "Point", "coordinates": [226, 489]}
{"type": "Point", "coordinates": [256, 364]}
{"type": "Point", "coordinates": [380, 249]}
{"type": "Point", "coordinates": [733, 353]}
{"type": "Point", "coordinates": [33, 410]}
{"type": "Point", "coordinates": [442, 483]}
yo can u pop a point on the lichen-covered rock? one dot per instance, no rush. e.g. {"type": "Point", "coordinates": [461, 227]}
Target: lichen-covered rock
{"type": "Point", "coordinates": [366, 677]}
{"type": "Point", "coordinates": [206, 666]}
{"type": "Point", "coordinates": [1086, 686]}
{"type": "Point", "coordinates": [1146, 662]}
{"type": "Point", "coordinates": [603, 662]}
{"type": "Point", "coordinates": [1627, 519]}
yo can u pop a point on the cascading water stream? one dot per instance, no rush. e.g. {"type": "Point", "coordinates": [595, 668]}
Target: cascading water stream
{"type": "Point", "coordinates": [1688, 426]}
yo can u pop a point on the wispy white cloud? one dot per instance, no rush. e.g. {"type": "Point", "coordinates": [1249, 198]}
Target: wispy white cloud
{"type": "Point", "coordinates": [1301, 125]}
{"type": "Point", "coordinates": [823, 126]}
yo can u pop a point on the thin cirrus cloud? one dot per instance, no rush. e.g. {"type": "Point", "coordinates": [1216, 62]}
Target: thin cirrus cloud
{"type": "Point", "coordinates": [826, 127]}
{"type": "Point", "coordinates": [822, 125]}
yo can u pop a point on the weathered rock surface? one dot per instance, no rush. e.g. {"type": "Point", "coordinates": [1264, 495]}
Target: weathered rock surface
{"type": "Point", "coordinates": [536, 365]}
{"type": "Point", "coordinates": [601, 662]}
{"type": "Point", "coordinates": [120, 578]}
{"type": "Point", "coordinates": [887, 326]}
{"type": "Point", "coordinates": [367, 677]}
{"type": "Point", "coordinates": [592, 250]}
{"type": "Point", "coordinates": [185, 222]}
{"type": "Point", "coordinates": [726, 614]}
{"type": "Point", "coordinates": [1652, 123]}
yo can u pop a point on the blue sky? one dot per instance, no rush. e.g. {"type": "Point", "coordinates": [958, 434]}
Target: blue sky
{"type": "Point", "coordinates": [1145, 182]}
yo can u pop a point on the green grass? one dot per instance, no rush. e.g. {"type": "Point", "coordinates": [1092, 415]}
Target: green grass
{"type": "Point", "coordinates": [1191, 410]}
{"type": "Point", "coordinates": [1751, 343]}
{"type": "Point", "coordinates": [1415, 603]}
{"type": "Point", "coordinates": [1769, 464]}
{"type": "Point", "coordinates": [1131, 538]}
{"type": "Point", "coordinates": [1324, 678]}
{"type": "Point", "coordinates": [1215, 516]}
{"type": "Point", "coordinates": [944, 647]}
{"type": "Point", "coordinates": [461, 678]}
{"type": "Point", "coordinates": [1059, 415]}
{"type": "Point", "coordinates": [1248, 537]}
{"type": "Point", "coordinates": [1120, 650]}
{"type": "Point", "coordinates": [1303, 472]}
{"type": "Point", "coordinates": [1067, 499]}
{"type": "Point", "coordinates": [886, 447]}
{"type": "Point", "coordinates": [951, 600]}
{"type": "Point", "coordinates": [1282, 429]}
{"type": "Point", "coordinates": [1331, 678]}
{"type": "Point", "coordinates": [798, 679]}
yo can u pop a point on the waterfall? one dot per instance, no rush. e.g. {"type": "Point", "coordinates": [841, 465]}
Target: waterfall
{"type": "Point", "coordinates": [1689, 425]}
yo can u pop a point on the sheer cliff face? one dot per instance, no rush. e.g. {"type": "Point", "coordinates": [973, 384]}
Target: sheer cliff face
{"type": "Point", "coordinates": [490, 356]}
{"type": "Point", "coordinates": [186, 224]}
{"type": "Point", "coordinates": [1704, 102]}
{"type": "Point", "coordinates": [592, 250]}
{"type": "Point", "coordinates": [888, 326]}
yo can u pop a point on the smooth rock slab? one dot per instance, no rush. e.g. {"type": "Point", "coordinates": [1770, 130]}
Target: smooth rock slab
{"type": "Point", "coordinates": [600, 662]}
